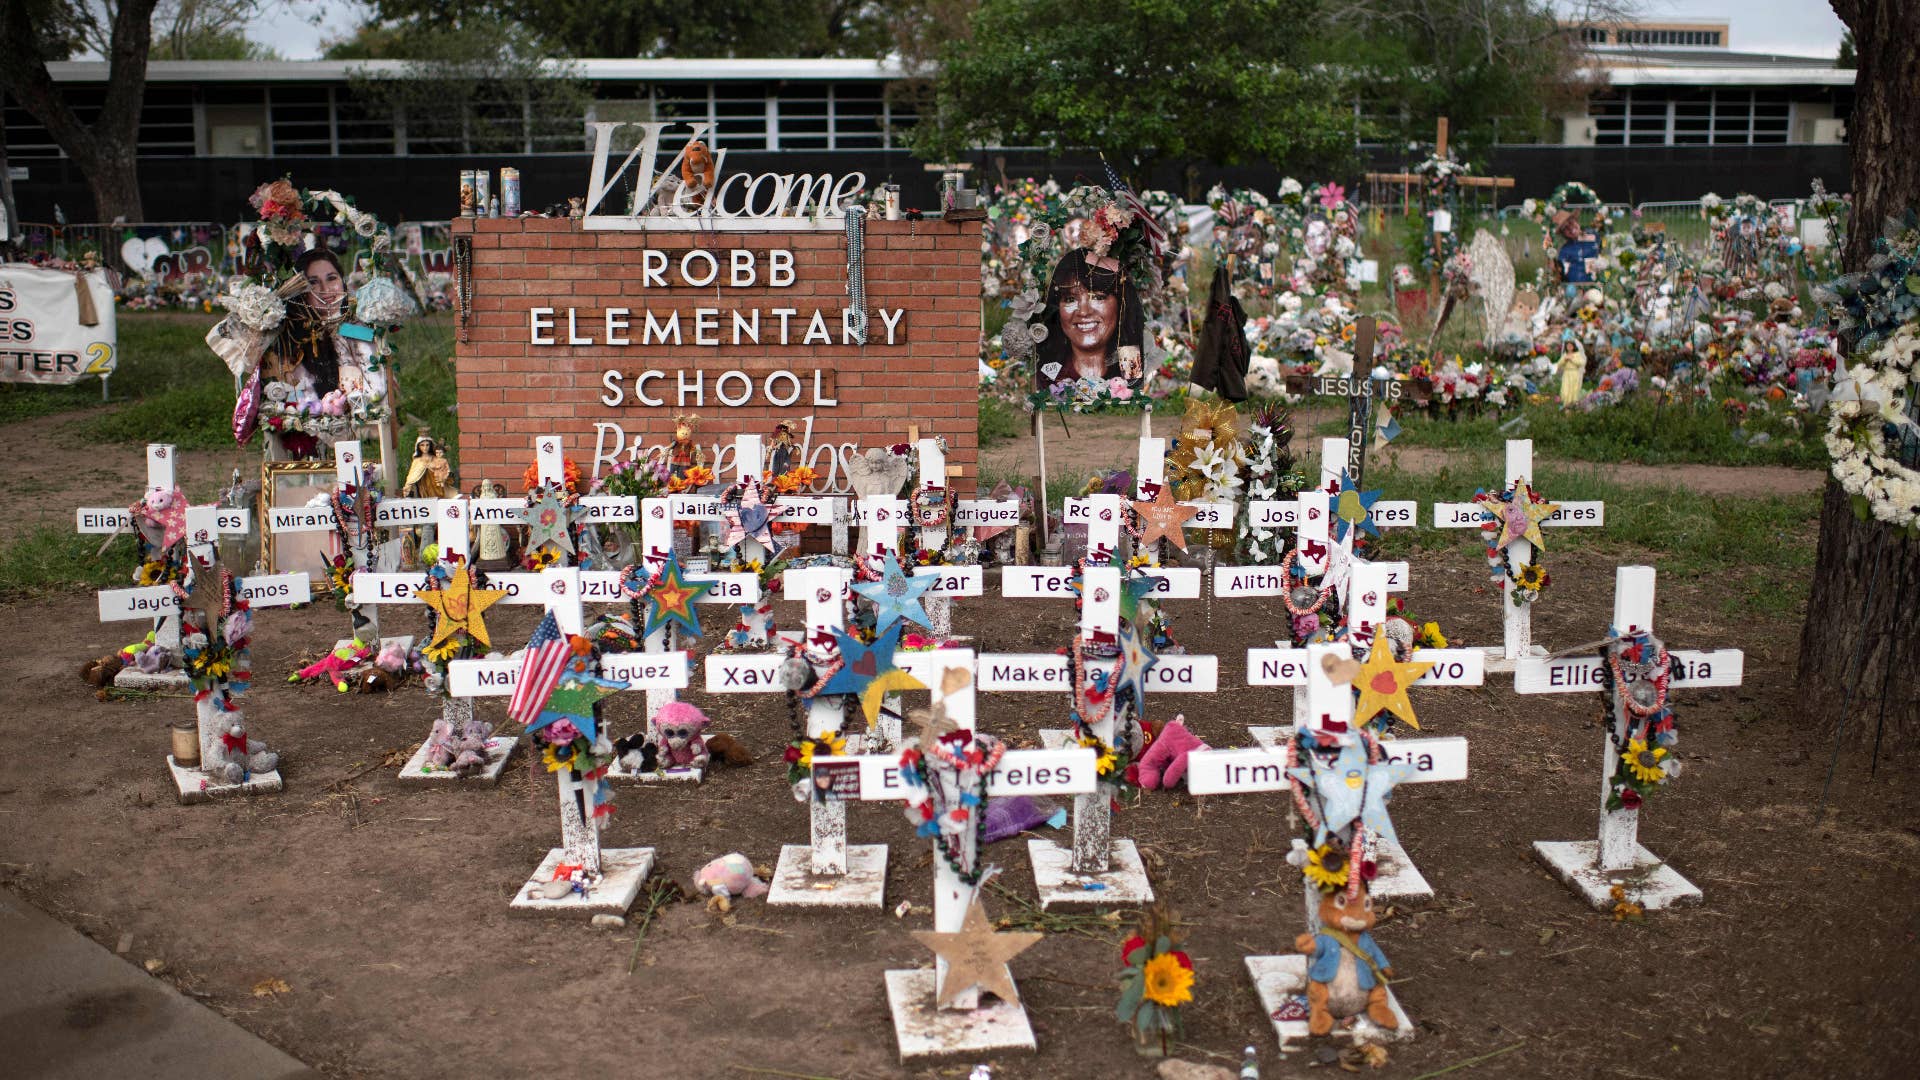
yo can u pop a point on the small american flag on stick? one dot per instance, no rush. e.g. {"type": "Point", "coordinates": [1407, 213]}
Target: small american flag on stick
{"type": "Point", "coordinates": [540, 668]}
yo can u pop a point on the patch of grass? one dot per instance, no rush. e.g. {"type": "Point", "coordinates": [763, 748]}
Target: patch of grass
{"type": "Point", "coordinates": [1000, 421]}
{"type": "Point", "coordinates": [1642, 431]}
{"type": "Point", "coordinates": [195, 415]}
{"type": "Point", "coordinates": [157, 353]}
{"type": "Point", "coordinates": [50, 559]}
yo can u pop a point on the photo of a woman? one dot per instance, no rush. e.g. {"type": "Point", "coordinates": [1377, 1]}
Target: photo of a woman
{"type": "Point", "coordinates": [309, 354]}
{"type": "Point", "coordinates": [1094, 324]}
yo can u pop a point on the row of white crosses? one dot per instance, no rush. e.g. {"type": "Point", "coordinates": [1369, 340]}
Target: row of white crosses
{"type": "Point", "coordinates": [1517, 619]}
{"type": "Point", "coordinates": [214, 721]}
{"type": "Point", "coordinates": [111, 521]}
{"type": "Point", "coordinates": [932, 1018]}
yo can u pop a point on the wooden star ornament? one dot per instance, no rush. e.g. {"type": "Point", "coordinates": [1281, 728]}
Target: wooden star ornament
{"type": "Point", "coordinates": [977, 956]}
{"type": "Point", "coordinates": [461, 606]}
{"type": "Point", "coordinates": [1383, 683]}
{"type": "Point", "coordinates": [1518, 519]}
{"type": "Point", "coordinates": [1163, 517]}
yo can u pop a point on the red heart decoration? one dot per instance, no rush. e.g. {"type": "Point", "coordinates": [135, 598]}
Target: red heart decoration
{"type": "Point", "coordinates": [1385, 683]}
{"type": "Point", "coordinates": [866, 665]}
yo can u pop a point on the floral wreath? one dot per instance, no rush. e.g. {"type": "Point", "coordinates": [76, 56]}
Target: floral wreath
{"type": "Point", "coordinates": [217, 658]}
{"type": "Point", "coordinates": [1635, 672]}
{"type": "Point", "coordinates": [1872, 436]}
{"type": "Point", "coordinates": [802, 751]}
{"type": "Point", "coordinates": [1543, 211]}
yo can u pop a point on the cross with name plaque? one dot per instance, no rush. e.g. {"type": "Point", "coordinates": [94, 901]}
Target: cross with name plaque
{"type": "Point", "coordinates": [1593, 868]}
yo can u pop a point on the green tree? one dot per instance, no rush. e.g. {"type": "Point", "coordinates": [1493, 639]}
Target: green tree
{"type": "Point", "coordinates": [638, 28]}
{"type": "Point", "coordinates": [1145, 81]}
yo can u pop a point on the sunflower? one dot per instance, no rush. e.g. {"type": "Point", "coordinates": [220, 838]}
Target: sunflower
{"type": "Point", "coordinates": [1643, 762]}
{"type": "Point", "coordinates": [828, 745]}
{"type": "Point", "coordinates": [543, 556]}
{"type": "Point", "coordinates": [152, 573]}
{"type": "Point", "coordinates": [1326, 867]}
{"type": "Point", "coordinates": [444, 651]}
{"type": "Point", "coordinates": [1105, 757]}
{"type": "Point", "coordinates": [1531, 576]}
{"type": "Point", "coordinates": [557, 757]}
{"type": "Point", "coordinates": [1168, 982]}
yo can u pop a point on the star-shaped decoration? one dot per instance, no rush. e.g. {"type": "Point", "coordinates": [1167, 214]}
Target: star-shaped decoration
{"type": "Point", "coordinates": [1135, 661]}
{"type": "Point", "coordinates": [1382, 778]}
{"type": "Point", "coordinates": [574, 697]}
{"type": "Point", "coordinates": [1137, 587]}
{"type": "Point", "coordinates": [1518, 519]}
{"type": "Point", "coordinates": [868, 671]}
{"type": "Point", "coordinates": [896, 595]}
{"type": "Point", "coordinates": [461, 606]}
{"type": "Point", "coordinates": [1164, 517]}
{"type": "Point", "coordinates": [1353, 508]}
{"type": "Point", "coordinates": [547, 522]}
{"type": "Point", "coordinates": [977, 956]}
{"type": "Point", "coordinates": [207, 594]}
{"type": "Point", "coordinates": [670, 603]}
{"type": "Point", "coordinates": [750, 519]}
{"type": "Point", "coordinates": [1383, 683]}
{"type": "Point", "coordinates": [1339, 785]}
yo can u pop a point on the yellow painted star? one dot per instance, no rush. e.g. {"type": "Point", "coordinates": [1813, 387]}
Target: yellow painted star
{"type": "Point", "coordinates": [460, 606]}
{"type": "Point", "coordinates": [1519, 519]}
{"type": "Point", "coordinates": [1383, 683]}
{"type": "Point", "coordinates": [977, 956]}
{"type": "Point", "coordinates": [887, 682]}
{"type": "Point", "coordinates": [1164, 517]}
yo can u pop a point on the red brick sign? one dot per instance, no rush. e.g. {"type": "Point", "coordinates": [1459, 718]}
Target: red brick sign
{"type": "Point", "coordinates": [603, 337]}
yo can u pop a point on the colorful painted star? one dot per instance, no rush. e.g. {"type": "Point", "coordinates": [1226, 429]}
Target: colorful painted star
{"type": "Point", "coordinates": [670, 602]}
{"type": "Point", "coordinates": [547, 524]}
{"type": "Point", "coordinates": [1518, 518]}
{"type": "Point", "coordinates": [1338, 785]}
{"type": "Point", "coordinates": [868, 671]}
{"type": "Point", "coordinates": [460, 606]}
{"type": "Point", "coordinates": [1383, 683]}
{"type": "Point", "coordinates": [1353, 508]}
{"type": "Point", "coordinates": [1137, 587]}
{"type": "Point", "coordinates": [574, 697]}
{"type": "Point", "coordinates": [896, 595]}
{"type": "Point", "coordinates": [1135, 661]}
{"type": "Point", "coordinates": [1163, 517]}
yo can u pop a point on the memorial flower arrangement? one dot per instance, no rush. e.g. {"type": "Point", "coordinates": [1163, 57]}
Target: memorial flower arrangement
{"type": "Point", "coordinates": [1156, 979]}
{"type": "Point", "coordinates": [1871, 434]}
{"type": "Point", "coordinates": [801, 752]}
{"type": "Point", "coordinates": [1635, 672]}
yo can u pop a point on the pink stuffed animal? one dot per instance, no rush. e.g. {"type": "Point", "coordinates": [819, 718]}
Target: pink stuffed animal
{"type": "Point", "coordinates": [1165, 762]}
{"type": "Point", "coordinates": [726, 878]}
{"type": "Point", "coordinates": [681, 731]}
{"type": "Point", "coordinates": [334, 666]}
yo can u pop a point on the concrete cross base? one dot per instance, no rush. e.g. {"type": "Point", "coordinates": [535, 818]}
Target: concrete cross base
{"type": "Point", "coordinates": [160, 682]}
{"type": "Point", "coordinates": [1650, 883]}
{"type": "Point", "coordinates": [925, 1032]}
{"type": "Point", "coordinates": [864, 885]}
{"type": "Point", "coordinates": [1122, 884]}
{"type": "Point", "coordinates": [197, 787]}
{"type": "Point", "coordinates": [1498, 664]}
{"type": "Point", "coordinates": [1281, 982]}
{"type": "Point", "coordinates": [622, 872]}
{"type": "Point", "coordinates": [1056, 738]}
{"type": "Point", "coordinates": [499, 750]}
{"type": "Point", "coordinates": [690, 774]}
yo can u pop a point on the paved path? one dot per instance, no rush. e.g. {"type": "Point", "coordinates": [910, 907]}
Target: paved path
{"type": "Point", "coordinates": [71, 1010]}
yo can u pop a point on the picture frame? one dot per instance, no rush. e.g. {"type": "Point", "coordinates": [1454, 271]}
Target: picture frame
{"type": "Point", "coordinates": [294, 483]}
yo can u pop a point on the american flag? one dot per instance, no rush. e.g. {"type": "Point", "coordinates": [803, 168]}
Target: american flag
{"type": "Point", "coordinates": [1156, 236]}
{"type": "Point", "coordinates": [540, 668]}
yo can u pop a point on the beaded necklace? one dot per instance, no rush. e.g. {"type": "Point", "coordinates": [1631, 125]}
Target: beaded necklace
{"type": "Point", "coordinates": [1310, 811]}
{"type": "Point", "coordinates": [1297, 605]}
{"type": "Point", "coordinates": [942, 821]}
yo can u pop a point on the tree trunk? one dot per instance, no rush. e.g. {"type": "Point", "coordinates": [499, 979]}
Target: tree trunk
{"type": "Point", "coordinates": [114, 178]}
{"type": "Point", "coordinates": [1859, 677]}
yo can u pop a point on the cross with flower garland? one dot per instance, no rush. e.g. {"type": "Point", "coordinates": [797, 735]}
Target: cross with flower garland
{"type": "Point", "coordinates": [159, 523]}
{"type": "Point", "coordinates": [1520, 574]}
{"type": "Point", "coordinates": [1637, 673]}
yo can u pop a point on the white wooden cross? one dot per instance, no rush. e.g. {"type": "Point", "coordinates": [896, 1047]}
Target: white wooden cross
{"type": "Point", "coordinates": [214, 717]}
{"type": "Point", "coordinates": [1517, 618]}
{"type": "Point", "coordinates": [1150, 475]}
{"type": "Point", "coordinates": [550, 467]}
{"type": "Point", "coordinates": [968, 1025]}
{"type": "Point", "coordinates": [613, 876]}
{"type": "Point", "coordinates": [1335, 458]}
{"type": "Point", "coordinates": [1281, 979]}
{"type": "Point", "coordinates": [1315, 697]}
{"type": "Point", "coordinates": [113, 520]}
{"type": "Point", "coordinates": [935, 475]}
{"type": "Point", "coordinates": [351, 470]}
{"type": "Point", "coordinates": [1593, 868]}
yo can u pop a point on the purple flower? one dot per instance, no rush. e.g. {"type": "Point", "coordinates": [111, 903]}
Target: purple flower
{"type": "Point", "coordinates": [561, 732]}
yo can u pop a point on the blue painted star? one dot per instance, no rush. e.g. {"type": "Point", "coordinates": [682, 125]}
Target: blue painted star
{"type": "Point", "coordinates": [1137, 587]}
{"type": "Point", "coordinates": [574, 697]}
{"type": "Point", "coordinates": [1338, 786]}
{"type": "Point", "coordinates": [1353, 508]}
{"type": "Point", "coordinates": [1381, 780]}
{"type": "Point", "coordinates": [868, 671]}
{"type": "Point", "coordinates": [896, 595]}
{"type": "Point", "coordinates": [1135, 661]}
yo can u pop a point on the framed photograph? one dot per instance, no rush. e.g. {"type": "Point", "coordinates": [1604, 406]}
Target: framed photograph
{"type": "Point", "coordinates": [295, 483]}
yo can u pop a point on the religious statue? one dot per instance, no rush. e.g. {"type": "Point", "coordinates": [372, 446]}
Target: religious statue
{"type": "Point", "coordinates": [427, 476]}
{"type": "Point", "coordinates": [494, 548]}
{"type": "Point", "coordinates": [684, 454]}
{"type": "Point", "coordinates": [1572, 368]}
{"type": "Point", "coordinates": [782, 453]}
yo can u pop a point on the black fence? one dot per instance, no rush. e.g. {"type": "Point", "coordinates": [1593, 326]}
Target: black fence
{"type": "Point", "coordinates": [427, 188]}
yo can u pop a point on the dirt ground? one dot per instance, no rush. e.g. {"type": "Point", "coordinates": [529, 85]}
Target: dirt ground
{"type": "Point", "coordinates": [1087, 443]}
{"type": "Point", "coordinates": [383, 907]}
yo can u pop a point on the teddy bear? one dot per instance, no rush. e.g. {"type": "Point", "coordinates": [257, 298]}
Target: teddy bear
{"type": "Point", "coordinates": [727, 878]}
{"type": "Point", "coordinates": [681, 730]}
{"type": "Point", "coordinates": [637, 754]}
{"type": "Point", "coordinates": [387, 671]}
{"type": "Point", "coordinates": [231, 756]}
{"type": "Point", "coordinates": [460, 751]}
{"type": "Point", "coordinates": [1347, 974]}
{"type": "Point", "coordinates": [1165, 762]}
